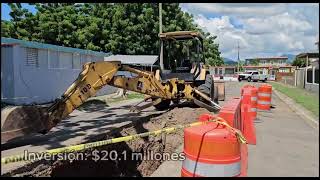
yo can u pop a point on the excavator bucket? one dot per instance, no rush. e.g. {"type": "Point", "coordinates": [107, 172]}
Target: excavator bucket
{"type": "Point", "coordinates": [22, 120]}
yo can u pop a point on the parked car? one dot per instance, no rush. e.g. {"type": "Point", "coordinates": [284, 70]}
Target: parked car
{"type": "Point", "coordinates": [252, 76]}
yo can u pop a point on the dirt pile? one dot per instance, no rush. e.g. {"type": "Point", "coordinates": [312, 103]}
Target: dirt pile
{"type": "Point", "coordinates": [133, 158]}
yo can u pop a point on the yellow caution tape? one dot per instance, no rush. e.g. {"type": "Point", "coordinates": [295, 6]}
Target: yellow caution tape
{"type": "Point", "coordinates": [238, 133]}
{"type": "Point", "coordinates": [80, 147]}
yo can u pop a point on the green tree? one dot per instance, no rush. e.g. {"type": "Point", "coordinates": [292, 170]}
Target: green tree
{"type": "Point", "coordinates": [254, 62]}
{"type": "Point", "coordinates": [120, 28]}
{"type": "Point", "coordinates": [300, 62]}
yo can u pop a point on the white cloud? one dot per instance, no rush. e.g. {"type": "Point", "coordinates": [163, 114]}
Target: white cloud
{"type": "Point", "coordinates": [267, 29]}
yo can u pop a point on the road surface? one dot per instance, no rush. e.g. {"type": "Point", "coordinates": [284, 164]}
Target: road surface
{"type": "Point", "coordinates": [287, 145]}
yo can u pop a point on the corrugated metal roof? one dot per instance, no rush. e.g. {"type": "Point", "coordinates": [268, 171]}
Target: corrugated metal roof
{"type": "Point", "coordinates": [146, 60]}
{"type": "Point", "coordinates": [32, 44]}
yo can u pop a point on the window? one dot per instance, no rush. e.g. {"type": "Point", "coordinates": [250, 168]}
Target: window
{"type": "Point", "coordinates": [76, 64]}
{"type": "Point", "coordinates": [255, 73]}
{"type": "Point", "coordinates": [263, 61]}
{"type": "Point", "coordinates": [220, 70]}
{"type": "Point", "coordinates": [32, 57]}
{"type": "Point", "coordinates": [309, 76]}
{"type": "Point", "coordinates": [215, 70]}
{"type": "Point", "coordinates": [229, 71]}
{"type": "Point", "coordinates": [53, 59]}
{"type": "Point", "coordinates": [316, 75]}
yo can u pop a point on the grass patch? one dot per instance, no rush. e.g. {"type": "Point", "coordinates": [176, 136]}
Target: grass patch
{"type": "Point", "coordinates": [306, 99]}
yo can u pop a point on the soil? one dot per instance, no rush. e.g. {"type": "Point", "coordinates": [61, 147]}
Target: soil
{"type": "Point", "coordinates": [139, 167]}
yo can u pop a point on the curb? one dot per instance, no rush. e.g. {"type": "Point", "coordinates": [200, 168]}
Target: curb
{"type": "Point", "coordinates": [297, 108]}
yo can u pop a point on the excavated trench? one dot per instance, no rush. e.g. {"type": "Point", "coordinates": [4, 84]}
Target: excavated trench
{"type": "Point", "coordinates": [140, 166]}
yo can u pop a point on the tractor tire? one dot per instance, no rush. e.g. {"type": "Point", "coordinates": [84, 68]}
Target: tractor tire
{"type": "Point", "coordinates": [209, 89]}
{"type": "Point", "coordinates": [163, 105]}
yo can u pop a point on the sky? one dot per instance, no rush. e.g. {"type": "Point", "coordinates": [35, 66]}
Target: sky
{"type": "Point", "coordinates": [261, 29]}
{"type": "Point", "coordinates": [5, 10]}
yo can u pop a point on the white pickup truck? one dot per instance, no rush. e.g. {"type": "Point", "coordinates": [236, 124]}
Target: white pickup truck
{"type": "Point", "coordinates": [252, 76]}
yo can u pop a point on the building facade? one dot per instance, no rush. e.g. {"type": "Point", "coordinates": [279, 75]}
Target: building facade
{"type": "Point", "coordinates": [227, 73]}
{"type": "Point", "coordinates": [35, 73]}
{"type": "Point", "coordinates": [269, 66]}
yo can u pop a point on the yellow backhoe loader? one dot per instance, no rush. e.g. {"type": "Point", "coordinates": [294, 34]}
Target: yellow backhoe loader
{"type": "Point", "coordinates": [179, 79]}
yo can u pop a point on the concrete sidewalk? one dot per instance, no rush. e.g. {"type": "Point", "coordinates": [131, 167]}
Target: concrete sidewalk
{"type": "Point", "coordinates": [286, 144]}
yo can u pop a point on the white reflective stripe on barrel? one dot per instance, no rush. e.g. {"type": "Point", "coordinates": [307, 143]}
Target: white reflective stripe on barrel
{"type": "Point", "coordinates": [253, 98]}
{"type": "Point", "coordinates": [212, 170]}
{"type": "Point", "coordinates": [264, 102]}
{"type": "Point", "coordinates": [253, 109]}
{"type": "Point", "coordinates": [264, 94]}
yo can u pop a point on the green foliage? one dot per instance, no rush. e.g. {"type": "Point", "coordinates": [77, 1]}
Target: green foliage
{"type": "Point", "coordinates": [241, 64]}
{"type": "Point", "coordinates": [254, 62]}
{"type": "Point", "coordinates": [300, 62]}
{"type": "Point", "coordinates": [120, 28]}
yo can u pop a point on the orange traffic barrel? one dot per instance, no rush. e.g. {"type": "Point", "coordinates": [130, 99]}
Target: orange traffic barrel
{"type": "Point", "coordinates": [211, 150]}
{"type": "Point", "coordinates": [264, 97]}
{"type": "Point", "coordinates": [249, 130]}
{"type": "Point", "coordinates": [249, 96]}
{"type": "Point", "coordinates": [245, 87]}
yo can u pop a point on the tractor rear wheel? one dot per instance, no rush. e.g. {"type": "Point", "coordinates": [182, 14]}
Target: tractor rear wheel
{"type": "Point", "coordinates": [209, 89]}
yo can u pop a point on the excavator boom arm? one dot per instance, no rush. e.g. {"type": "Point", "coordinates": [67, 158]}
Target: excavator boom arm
{"type": "Point", "coordinates": [93, 77]}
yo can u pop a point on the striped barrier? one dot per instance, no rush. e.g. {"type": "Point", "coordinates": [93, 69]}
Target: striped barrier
{"type": "Point", "coordinates": [213, 150]}
{"type": "Point", "coordinates": [249, 112]}
{"type": "Point", "coordinates": [249, 130]}
{"type": "Point", "coordinates": [264, 97]}
{"type": "Point", "coordinates": [249, 95]}
{"type": "Point", "coordinates": [231, 113]}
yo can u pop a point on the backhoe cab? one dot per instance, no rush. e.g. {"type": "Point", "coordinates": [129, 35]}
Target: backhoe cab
{"type": "Point", "coordinates": [188, 64]}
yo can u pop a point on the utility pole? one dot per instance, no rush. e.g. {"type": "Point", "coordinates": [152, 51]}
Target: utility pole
{"type": "Point", "coordinates": [160, 31]}
{"type": "Point", "coordinates": [238, 58]}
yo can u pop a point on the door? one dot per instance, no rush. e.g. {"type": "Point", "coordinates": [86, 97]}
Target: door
{"type": "Point", "coordinates": [272, 75]}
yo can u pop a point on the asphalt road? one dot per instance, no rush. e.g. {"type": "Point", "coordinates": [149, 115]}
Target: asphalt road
{"type": "Point", "coordinates": [287, 145]}
{"type": "Point", "coordinates": [82, 126]}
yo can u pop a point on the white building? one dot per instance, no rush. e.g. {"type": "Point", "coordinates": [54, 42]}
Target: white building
{"type": "Point", "coordinates": [38, 73]}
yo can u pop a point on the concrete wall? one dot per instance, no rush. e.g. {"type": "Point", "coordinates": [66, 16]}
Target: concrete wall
{"type": "Point", "coordinates": [289, 80]}
{"type": "Point", "coordinates": [312, 88]}
{"type": "Point", "coordinates": [36, 85]}
{"type": "Point", "coordinates": [299, 77]}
